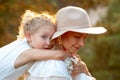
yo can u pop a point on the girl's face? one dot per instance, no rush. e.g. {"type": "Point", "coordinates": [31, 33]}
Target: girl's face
{"type": "Point", "coordinates": [72, 41]}
{"type": "Point", "coordinates": [41, 39]}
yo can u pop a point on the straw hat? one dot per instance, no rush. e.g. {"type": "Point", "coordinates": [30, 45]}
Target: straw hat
{"type": "Point", "coordinates": [75, 19]}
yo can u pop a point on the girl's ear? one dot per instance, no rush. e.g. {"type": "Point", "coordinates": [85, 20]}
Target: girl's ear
{"type": "Point", "coordinates": [28, 35]}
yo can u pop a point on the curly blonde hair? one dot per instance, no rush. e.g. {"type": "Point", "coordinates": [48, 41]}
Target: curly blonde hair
{"type": "Point", "coordinates": [32, 21]}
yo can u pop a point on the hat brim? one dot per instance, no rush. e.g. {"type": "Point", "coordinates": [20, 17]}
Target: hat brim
{"type": "Point", "coordinates": [93, 30]}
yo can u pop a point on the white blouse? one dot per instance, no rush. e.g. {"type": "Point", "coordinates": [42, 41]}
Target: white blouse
{"type": "Point", "coordinates": [8, 55]}
{"type": "Point", "coordinates": [49, 68]}
{"type": "Point", "coordinates": [53, 70]}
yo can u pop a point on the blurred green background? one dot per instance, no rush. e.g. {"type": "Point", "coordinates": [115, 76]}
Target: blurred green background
{"type": "Point", "coordinates": [101, 52]}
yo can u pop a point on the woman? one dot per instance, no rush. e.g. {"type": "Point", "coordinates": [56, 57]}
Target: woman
{"type": "Point", "coordinates": [73, 26]}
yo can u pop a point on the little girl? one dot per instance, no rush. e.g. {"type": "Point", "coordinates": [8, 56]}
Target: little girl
{"type": "Point", "coordinates": [31, 45]}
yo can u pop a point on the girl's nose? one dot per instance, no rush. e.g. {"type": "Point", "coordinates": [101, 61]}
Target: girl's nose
{"type": "Point", "coordinates": [47, 44]}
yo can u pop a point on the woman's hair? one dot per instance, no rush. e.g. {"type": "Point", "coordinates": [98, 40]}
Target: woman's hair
{"type": "Point", "coordinates": [57, 43]}
{"type": "Point", "coordinates": [32, 21]}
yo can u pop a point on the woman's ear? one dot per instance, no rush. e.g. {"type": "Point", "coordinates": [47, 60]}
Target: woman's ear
{"type": "Point", "coordinates": [59, 40]}
{"type": "Point", "coordinates": [28, 35]}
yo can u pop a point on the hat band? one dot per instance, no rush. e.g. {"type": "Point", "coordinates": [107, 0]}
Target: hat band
{"type": "Point", "coordinates": [73, 27]}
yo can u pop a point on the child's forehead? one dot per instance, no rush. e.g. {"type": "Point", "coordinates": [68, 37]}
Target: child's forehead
{"type": "Point", "coordinates": [47, 26]}
{"type": "Point", "coordinates": [41, 24]}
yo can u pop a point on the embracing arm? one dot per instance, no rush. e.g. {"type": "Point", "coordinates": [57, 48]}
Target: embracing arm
{"type": "Point", "coordinates": [39, 54]}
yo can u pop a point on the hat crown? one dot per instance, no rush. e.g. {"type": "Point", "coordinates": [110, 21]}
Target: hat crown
{"type": "Point", "coordinates": [72, 18]}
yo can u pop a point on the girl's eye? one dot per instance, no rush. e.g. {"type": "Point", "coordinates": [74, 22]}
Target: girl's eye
{"type": "Point", "coordinates": [44, 36]}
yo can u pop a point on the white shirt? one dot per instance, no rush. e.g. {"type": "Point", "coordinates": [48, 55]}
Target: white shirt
{"type": "Point", "coordinates": [53, 70]}
{"type": "Point", "coordinates": [8, 55]}
{"type": "Point", "coordinates": [49, 68]}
